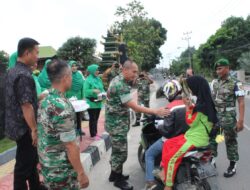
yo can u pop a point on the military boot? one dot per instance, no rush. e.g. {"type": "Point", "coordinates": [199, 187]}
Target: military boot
{"type": "Point", "coordinates": [231, 170]}
{"type": "Point", "coordinates": [113, 176]}
{"type": "Point", "coordinates": [123, 184]}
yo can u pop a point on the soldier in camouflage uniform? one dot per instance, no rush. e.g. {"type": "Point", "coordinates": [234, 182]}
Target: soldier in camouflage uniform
{"type": "Point", "coordinates": [58, 151]}
{"type": "Point", "coordinates": [110, 73]}
{"type": "Point", "coordinates": [225, 92]}
{"type": "Point", "coordinates": [143, 90]}
{"type": "Point", "coordinates": [117, 120]}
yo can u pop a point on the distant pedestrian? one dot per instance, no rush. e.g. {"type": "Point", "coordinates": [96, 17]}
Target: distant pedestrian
{"type": "Point", "coordinates": [21, 115]}
{"type": "Point", "coordinates": [142, 84]}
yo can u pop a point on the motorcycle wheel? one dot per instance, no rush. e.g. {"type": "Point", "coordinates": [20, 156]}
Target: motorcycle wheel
{"type": "Point", "coordinates": [141, 157]}
{"type": "Point", "coordinates": [213, 183]}
{"type": "Point", "coordinates": [204, 185]}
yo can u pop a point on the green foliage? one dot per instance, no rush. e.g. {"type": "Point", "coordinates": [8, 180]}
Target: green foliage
{"type": "Point", "coordinates": [229, 41]}
{"type": "Point", "coordinates": [4, 57]}
{"type": "Point", "coordinates": [244, 61]}
{"type": "Point", "coordinates": [78, 49]}
{"type": "Point", "coordinates": [180, 65]}
{"type": "Point", "coordinates": [143, 36]}
{"type": "Point", "coordinates": [6, 144]}
{"type": "Point", "coordinates": [134, 9]}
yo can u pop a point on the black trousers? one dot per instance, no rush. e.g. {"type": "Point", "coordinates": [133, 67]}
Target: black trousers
{"type": "Point", "coordinates": [79, 121]}
{"type": "Point", "coordinates": [94, 114]}
{"type": "Point", "coordinates": [26, 165]}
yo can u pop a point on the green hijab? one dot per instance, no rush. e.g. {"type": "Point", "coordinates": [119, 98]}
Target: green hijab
{"type": "Point", "coordinates": [77, 79]}
{"type": "Point", "coordinates": [43, 77]}
{"type": "Point", "coordinates": [38, 86]}
{"type": "Point", "coordinates": [95, 81]}
{"type": "Point", "coordinates": [12, 60]}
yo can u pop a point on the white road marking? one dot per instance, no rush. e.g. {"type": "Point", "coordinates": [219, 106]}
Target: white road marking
{"type": "Point", "coordinates": [247, 127]}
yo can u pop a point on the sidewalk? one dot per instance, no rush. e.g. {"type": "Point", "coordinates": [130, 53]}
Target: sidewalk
{"type": "Point", "coordinates": [6, 170]}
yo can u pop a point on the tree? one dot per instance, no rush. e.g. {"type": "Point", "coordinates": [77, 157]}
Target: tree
{"type": "Point", "coordinates": [143, 36]}
{"type": "Point", "coordinates": [229, 41]}
{"type": "Point", "coordinates": [180, 64]}
{"type": "Point", "coordinates": [244, 61]}
{"type": "Point", "coordinates": [4, 57]}
{"type": "Point", "coordinates": [78, 49]}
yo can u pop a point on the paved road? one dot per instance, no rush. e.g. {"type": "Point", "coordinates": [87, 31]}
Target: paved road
{"type": "Point", "coordinates": [99, 175]}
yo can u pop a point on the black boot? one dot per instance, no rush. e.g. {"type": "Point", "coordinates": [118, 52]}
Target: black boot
{"type": "Point", "coordinates": [113, 176]}
{"type": "Point", "coordinates": [123, 185]}
{"type": "Point", "coordinates": [231, 170]}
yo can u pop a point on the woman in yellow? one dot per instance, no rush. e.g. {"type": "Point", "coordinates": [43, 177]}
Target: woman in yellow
{"type": "Point", "coordinates": [200, 117]}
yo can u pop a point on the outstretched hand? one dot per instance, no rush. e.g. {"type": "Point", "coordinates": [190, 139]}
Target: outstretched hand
{"type": "Point", "coordinates": [162, 112]}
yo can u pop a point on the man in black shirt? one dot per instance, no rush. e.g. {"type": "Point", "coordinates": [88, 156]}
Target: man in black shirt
{"type": "Point", "coordinates": [21, 115]}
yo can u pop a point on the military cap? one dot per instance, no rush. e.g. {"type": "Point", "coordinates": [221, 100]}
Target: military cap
{"type": "Point", "coordinates": [221, 62]}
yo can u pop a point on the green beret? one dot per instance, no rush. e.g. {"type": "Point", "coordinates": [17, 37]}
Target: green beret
{"type": "Point", "coordinates": [221, 62]}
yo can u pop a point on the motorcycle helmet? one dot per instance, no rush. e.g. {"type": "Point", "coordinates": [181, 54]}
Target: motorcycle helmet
{"type": "Point", "coordinates": [171, 89]}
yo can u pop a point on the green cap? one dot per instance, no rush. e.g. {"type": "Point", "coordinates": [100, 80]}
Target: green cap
{"type": "Point", "coordinates": [221, 62]}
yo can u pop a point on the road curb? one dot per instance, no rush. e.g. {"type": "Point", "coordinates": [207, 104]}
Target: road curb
{"type": "Point", "coordinates": [89, 157]}
{"type": "Point", "coordinates": [93, 154]}
{"type": "Point", "coordinates": [7, 155]}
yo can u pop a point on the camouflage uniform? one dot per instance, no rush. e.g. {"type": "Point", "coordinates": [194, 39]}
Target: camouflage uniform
{"type": "Point", "coordinates": [56, 125]}
{"type": "Point", "coordinates": [143, 90]}
{"type": "Point", "coordinates": [225, 93]}
{"type": "Point", "coordinates": [117, 120]}
{"type": "Point", "coordinates": [108, 75]}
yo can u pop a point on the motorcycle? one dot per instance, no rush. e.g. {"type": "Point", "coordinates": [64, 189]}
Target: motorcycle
{"type": "Point", "coordinates": [196, 172]}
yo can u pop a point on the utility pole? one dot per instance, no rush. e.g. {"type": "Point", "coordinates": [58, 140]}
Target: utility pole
{"type": "Point", "coordinates": [187, 37]}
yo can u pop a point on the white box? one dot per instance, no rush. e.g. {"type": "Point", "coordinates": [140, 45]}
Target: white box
{"type": "Point", "coordinates": [79, 105]}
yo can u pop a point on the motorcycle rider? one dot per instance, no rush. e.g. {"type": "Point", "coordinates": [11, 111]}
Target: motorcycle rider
{"type": "Point", "coordinates": [200, 117]}
{"type": "Point", "coordinates": [173, 125]}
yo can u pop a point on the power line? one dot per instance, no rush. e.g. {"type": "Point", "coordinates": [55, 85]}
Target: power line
{"type": "Point", "coordinates": [187, 38]}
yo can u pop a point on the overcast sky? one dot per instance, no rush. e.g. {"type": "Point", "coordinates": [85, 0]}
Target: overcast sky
{"type": "Point", "coordinates": [52, 22]}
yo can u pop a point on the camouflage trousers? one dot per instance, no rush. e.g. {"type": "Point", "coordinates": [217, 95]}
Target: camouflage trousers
{"type": "Point", "coordinates": [63, 184]}
{"type": "Point", "coordinates": [119, 152]}
{"type": "Point", "coordinates": [145, 103]}
{"type": "Point", "coordinates": [231, 142]}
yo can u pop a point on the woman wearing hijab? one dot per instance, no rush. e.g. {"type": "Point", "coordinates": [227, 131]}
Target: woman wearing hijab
{"type": "Point", "coordinates": [12, 60]}
{"type": "Point", "coordinates": [43, 77]}
{"type": "Point", "coordinates": [92, 87]}
{"type": "Point", "coordinates": [200, 117]}
{"type": "Point", "coordinates": [38, 86]}
{"type": "Point", "coordinates": [76, 91]}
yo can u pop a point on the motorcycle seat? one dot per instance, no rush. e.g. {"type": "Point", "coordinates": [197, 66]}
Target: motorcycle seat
{"type": "Point", "coordinates": [203, 148]}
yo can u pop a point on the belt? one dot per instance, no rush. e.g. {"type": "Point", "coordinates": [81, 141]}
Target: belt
{"type": "Point", "coordinates": [226, 109]}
